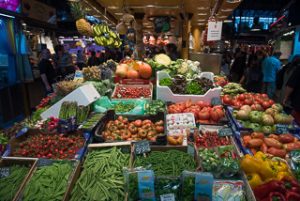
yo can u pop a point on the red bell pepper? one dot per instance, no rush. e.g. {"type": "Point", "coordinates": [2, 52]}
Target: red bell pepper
{"type": "Point", "coordinates": [292, 196]}
{"type": "Point", "coordinates": [264, 190]}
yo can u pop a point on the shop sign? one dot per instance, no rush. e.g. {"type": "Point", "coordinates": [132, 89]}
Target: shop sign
{"type": "Point", "coordinates": [214, 31]}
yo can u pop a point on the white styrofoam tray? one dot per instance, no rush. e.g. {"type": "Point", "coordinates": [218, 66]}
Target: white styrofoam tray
{"type": "Point", "coordinates": [164, 93]}
{"type": "Point", "coordinates": [83, 95]}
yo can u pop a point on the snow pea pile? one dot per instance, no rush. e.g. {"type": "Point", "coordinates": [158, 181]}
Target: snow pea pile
{"type": "Point", "coordinates": [102, 176]}
{"type": "Point", "coordinates": [48, 182]}
{"type": "Point", "coordinates": [10, 185]}
{"type": "Point", "coordinates": [168, 163]}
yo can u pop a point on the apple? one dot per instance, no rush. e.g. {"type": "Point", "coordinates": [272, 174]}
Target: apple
{"type": "Point", "coordinates": [247, 108]}
{"type": "Point", "coordinates": [267, 120]}
{"type": "Point", "coordinates": [257, 107]}
{"type": "Point", "coordinates": [267, 129]}
{"type": "Point", "coordinates": [255, 116]}
{"type": "Point", "coordinates": [271, 111]}
{"type": "Point", "coordinates": [242, 114]}
{"type": "Point", "coordinates": [278, 107]}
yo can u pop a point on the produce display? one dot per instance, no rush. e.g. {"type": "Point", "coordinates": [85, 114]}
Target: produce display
{"type": "Point", "coordinates": [65, 87]}
{"type": "Point", "coordinates": [295, 163]}
{"type": "Point", "coordinates": [122, 107]}
{"type": "Point", "coordinates": [91, 122]}
{"type": "Point", "coordinates": [204, 113]}
{"type": "Point", "coordinates": [222, 162]}
{"type": "Point", "coordinates": [101, 176]}
{"type": "Point", "coordinates": [92, 73]}
{"type": "Point", "coordinates": [168, 163]}
{"type": "Point", "coordinates": [48, 182]}
{"type": "Point", "coordinates": [49, 146]}
{"type": "Point", "coordinates": [275, 145]}
{"type": "Point", "coordinates": [233, 89]}
{"type": "Point", "coordinates": [9, 185]}
{"type": "Point", "coordinates": [155, 106]}
{"type": "Point", "coordinates": [130, 92]}
{"type": "Point", "coordinates": [68, 110]}
{"type": "Point", "coordinates": [180, 85]}
{"type": "Point", "coordinates": [132, 69]}
{"type": "Point", "coordinates": [104, 87]}
{"type": "Point", "coordinates": [208, 139]}
{"type": "Point", "coordinates": [122, 129]}
{"type": "Point", "coordinates": [220, 81]}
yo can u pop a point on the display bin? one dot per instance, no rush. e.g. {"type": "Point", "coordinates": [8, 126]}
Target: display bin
{"type": "Point", "coordinates": [47, 162]}
{"type": "Point", "coordinates": [13, 144]}
{"type": "Point", "coordinates": [29, 162]}
{"type": "Point", "coordinates": [125, 147]}
{"type": "Point", "coordinates": [149, 86]}
{"type": "Point", "coordinates": [164, 93]}
{"type": "Point", "coordinates": [110, 115]}
{"type": "Point", "coordinates": [293, 128]}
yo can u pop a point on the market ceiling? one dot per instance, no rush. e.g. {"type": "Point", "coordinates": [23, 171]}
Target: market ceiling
{"type": "Point", "coordinates": [200, 10]}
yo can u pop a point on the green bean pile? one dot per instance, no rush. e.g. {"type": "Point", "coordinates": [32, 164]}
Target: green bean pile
{"type": "Point", "coordinates": [169, 163]}
{"type": "Point", "coordinates": [102, 176]}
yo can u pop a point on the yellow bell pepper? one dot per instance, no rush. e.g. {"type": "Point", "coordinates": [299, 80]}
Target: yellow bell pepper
{"type": "Point", "coordinates": [254, 179]}
{"type": "Point", "coordinates": [281, 175]}
{"type": "Point", "coordinates": [267, 170]}
{"type": "Point", "coordinates": [280, 166]}
{"type": "Point", "coordinates": [260, 156]}
{"type": "Point", "coordinates": [250, 164]}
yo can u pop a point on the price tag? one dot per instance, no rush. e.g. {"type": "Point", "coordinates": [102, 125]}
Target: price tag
{"type": "Point", "coordinates": [191, 150]}
{"type": "Point", "coordinates": [225, 132]}
{"type": "Point", "coordinates": [167, 197]}
{"type": "Point", "coordinates": [4, 172]}
{"type": "Point", "coordinates": [280, 129]}
{"type": "Point", "coordinates": [141, 147]}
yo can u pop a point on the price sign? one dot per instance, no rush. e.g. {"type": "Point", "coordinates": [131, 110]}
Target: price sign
{"type": "Point", "coordinates": [167, 197]}
{"type": "Point", "coordinates": [141, 147]}
{"type": "Point", "coordinates": [4, 172]}
{"type": "Point", "coordinates": [225, 132]}
{"type": "Point", "coordinates": [191, 150]}
{"type": "Point", "coordinates": [280, 129]}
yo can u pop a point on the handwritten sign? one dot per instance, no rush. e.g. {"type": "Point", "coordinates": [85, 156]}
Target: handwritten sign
{"type": "Point", "coordinates": [4, 172]}
{"type": "Point", "coordinates": [167, 197]}
{"type": "Point", "coordinates": [280, 129]}
{"type": "Point", "coordinates": [225, 132]}
{"type": "Point", "coordinates": [141, 147]}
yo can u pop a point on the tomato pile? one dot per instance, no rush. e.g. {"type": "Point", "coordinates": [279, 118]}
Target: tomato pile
{"type": "Point", "coordinates": [50, 146]}
{"type": "Point", "coordinates": [132, 92]}
{"type": "Point", "coordinates": [45, 101]}
{"type": "Point", "coordinates": [51, 124]}
{"type": "Point", "coordinates": [211, 139]}
{"type": "Point", "coordinates": [256, 101]}
{"type": "Point", "coordinates": [276, 145]}
{"type": "Point", "coordinates": [204, 113]}
{"type": "Point", "coordinates": [122, 129]}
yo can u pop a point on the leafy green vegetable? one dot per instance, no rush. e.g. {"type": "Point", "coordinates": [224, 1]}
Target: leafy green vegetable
{"type": "Point", "coordinates": [165, 82]}
{"type": "Point", "coordinates": [121, 107]}
{"type": "Point", "coordinates": [193, 87]}
{"type": "Point", "coordinates": [104, 87]}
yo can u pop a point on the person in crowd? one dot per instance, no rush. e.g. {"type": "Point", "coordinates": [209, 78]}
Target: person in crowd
{"type": "Point", "coordinates": [47, 70]}
{"type": "Point", "coordinates": [270, 67]}
{"type": "Point", "coordinates": [171, 51]}
{"type": "Point", "coordinates": [252, 78]}
{"type": "Point", "coordinates": [238, 66]}
{"type": "Point", "coordinates": [93, 60]}
{"type": "Point", "coordinates": [63, 61]}
{"type": "Point", "coordinates": [282, 78]}
{"type": "Point", "coordinates": [81, 59]}
{"type": "Point", "coordinates": [292, 93]}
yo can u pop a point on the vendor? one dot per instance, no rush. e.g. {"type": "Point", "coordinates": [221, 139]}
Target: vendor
{"type": "Point", "coordinates": [47, 71]}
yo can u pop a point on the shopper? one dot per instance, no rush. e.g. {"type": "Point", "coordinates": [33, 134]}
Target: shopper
{"type": "Point", "coordinates": [252, 78]}
{"type": "Point", "coordinates": [171, 51]}
{"type": "Point", "coordinates": [93, 60]}
{"type": "Point", "coordinates": [292, 93]}
{"type": "Point", "coordinates": [238, 66]}
{"type": "Point", "coordinates": [47, 70]}
{"type": "Point", "coordinates": [270, 67]}
{"type": "Point", "coordinates": [64, 62]}
{"type": "Point", "coordinates": [81, 59]}
{"type": "Point", "coordinates": [283, 76]}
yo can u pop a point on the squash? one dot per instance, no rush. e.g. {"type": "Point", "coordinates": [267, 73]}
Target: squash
{"type": "Point", "coordinates": [122, 70]}
{"type": "Point", "coordinates": [145, 70]}
{"type": "Point", "coordinates": [163, 59]}
{"type": "Point", "coordinates": [132, 74]}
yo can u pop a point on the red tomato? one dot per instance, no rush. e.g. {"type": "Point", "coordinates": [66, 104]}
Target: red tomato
{"type": "Point", "coordinates": [264, 96]}
{"type": "Point", "coordinates": [216, 114]}
{"type": "Point", "coordinates": [203, 115]}
{"type": "Point", "coordinates": [227, 100]}
{"type": "Point", "coordinates": [271, 102]}
{"type": "Point", "coordinates": [241, 97]}
{"type": "Point", "coordinates": [248, 101]}
{"type": "Point", "coordinates": [266, 104]}
{"type": "Point", "coordinates": [201, 103]}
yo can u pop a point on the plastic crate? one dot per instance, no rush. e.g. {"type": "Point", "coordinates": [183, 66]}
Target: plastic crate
{"type": "Point", "coordinates": [164, 93]}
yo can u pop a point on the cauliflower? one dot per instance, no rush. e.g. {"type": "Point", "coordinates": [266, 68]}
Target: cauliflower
{"type": "Point", "coordinates": [183, 68]}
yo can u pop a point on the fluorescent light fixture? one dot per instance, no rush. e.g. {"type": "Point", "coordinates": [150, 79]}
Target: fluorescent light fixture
{"type": "Point", "coordinates": [118, 13]}
{"type": "Point", "coordinates": [227, 21]}
{"type": "Point", "coordinates": [113, 7]}
{"type": "Point", "coordinates": [202, 8]}
{"type": "Point", "coordinates": [1, 14]}
{"type": "Point", "coordinates": [201, 20]}
{"type": "Point", "coordinates": [255, 29]}
{"type": "Point", "coordinates": [202, 14]}
{"type": "Point", "coordinates": [201, 24]}
{"type": "Point", "coordinates": [226, 10]}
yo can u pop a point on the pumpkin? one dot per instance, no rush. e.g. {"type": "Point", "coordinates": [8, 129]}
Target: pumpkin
{"type": "Point", "coordinates": [145, 70]}
{"type": "Point", "coordinates": [122, 70]}
{"type": "Point", "coordinates": [132, 74]}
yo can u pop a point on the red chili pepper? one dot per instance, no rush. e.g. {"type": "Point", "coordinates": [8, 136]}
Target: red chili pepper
{"type": "Point", "coordinates": [264, 190]}
{"type": "Point", "coordinates": [292, 196]}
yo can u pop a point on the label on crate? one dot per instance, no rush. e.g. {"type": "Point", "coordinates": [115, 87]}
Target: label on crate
{"type": "Point", "coordinates": [280, 129]}
{"type": "Point", "coordinates": [4, 172]}
{"type": "Point", "coordinates": [167, 197]}
{"type": "Point", "coordinates": [141, 147]}
{"type": "Point", "coordinates": [203, 186]}
{"type": "Point", "coordinates": [146, 185]}
{"type": "Point", "coordinates": [225, 132]}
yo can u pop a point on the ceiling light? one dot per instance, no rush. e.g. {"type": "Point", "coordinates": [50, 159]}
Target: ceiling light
{"type": "Point", "coordinates": [201, 20]}
{"type": "Point", "coordinates": [118, 13]}
{"type": "Point", "coordinates": [226, 10]}
{"type": "Point", "coordinates": [201, 24]}
{"type": "Point", "coordinates": [113, 7]}
{"type": "Point", "coordinates": [202, 8]}
{"type": "Point", "coordinates": [202, 14]}
{"type": "Point", "coordinates": [227, 21]}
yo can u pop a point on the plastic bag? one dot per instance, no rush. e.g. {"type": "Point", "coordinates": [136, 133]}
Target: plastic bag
{"type": "Point", "coordinates": [167, 187]}
{"type": "Point", "coordinates": [228, 190]}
